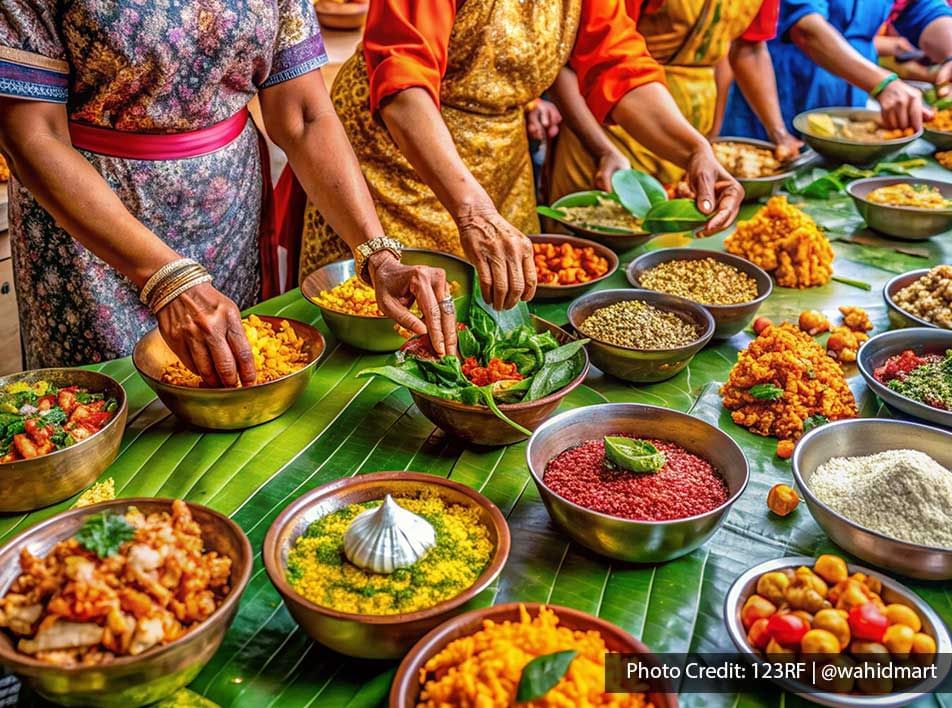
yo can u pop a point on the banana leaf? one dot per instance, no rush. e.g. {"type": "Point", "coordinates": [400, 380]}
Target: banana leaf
{"type": "Point", "coordinates": [637, 191]}
{"type": "Point", "coordinates": [674, 216]}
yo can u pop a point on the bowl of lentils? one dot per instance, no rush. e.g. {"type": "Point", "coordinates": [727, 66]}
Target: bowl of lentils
{"type": "Point", "coordinates": [641, 336]}
{"type": "Point", "coordinates": [731, 288]}
{"type": "Point", "coordinates": [921, 298]}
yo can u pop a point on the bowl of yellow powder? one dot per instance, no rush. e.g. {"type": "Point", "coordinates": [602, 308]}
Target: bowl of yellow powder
{"type": "Point", "coordinates": [375, 615]}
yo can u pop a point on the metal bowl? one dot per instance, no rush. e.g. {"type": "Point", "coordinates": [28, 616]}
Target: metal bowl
{"type": "Point", "coordinates": [226, 408]}
{"type": "Point", "coordinates": [341, 15]}
{"type": "Point", "coordinates": [941, 139]}
{"type": "Point", "coordinates": [559, 292]}
{"type": "Point", "coordinates": [867, 436]}
{"type": "Point", "coordinates": [898, 316]}
{"type": "Point", "coordinates": [641, 365]}
{"type": "Point", "coordinates": [623, 539]}
{"type": "Point", "coordinates": [921, 340]}
{"type": "Point", "coordinates": [759, 187]}
{"type": "Point", "coordinates": [26, 485]}
{"type": "Point", "coordinates": [728, 319]}
{"type": "Point", "coordinates": [478, 424]}
{"type": "Point", "coordinates": [374, 636]}
{"type": "Point", "coordinates": [156, 673]}
{"type": "Point", "coordinates": [405, 689]}
{"type": "Point", "coordinates": [893, 592]}
{"type": "Point", "coordinates": [616, 239]}
{"type": "Point", "coordinates": [379, 334]}
{"type": "Point", "coordinates": [906, 223]}
{"type": "Point", "coordinates": [854, 152]}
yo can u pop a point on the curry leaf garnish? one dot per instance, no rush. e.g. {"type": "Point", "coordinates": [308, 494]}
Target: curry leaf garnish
{"type": "Point", "coordinates": [766, 392]}
{"type": "Point", "coordinates": [814, 421]}
{"type": "Point", "coordinates": [104, 534]}
{"type": "Point", "coordinates": [633, 455]}
{"type": "Point", "coordinates": [542, 674]}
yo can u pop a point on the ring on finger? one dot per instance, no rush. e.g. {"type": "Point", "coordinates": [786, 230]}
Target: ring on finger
{"type": "Point", "coordinates": [447, 305]}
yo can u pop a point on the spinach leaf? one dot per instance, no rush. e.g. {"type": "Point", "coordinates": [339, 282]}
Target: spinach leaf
{"type": "Point", "coordinates": [483, 395]}
{"type": "Point", "coordinates": [510, 391]}
{"type": "Point", "coordinates": [551, 378]}
{"type": "Point", "coordinates": [565, 351]}
{"type": "Point", "coordinates": [466, 343]}
{"type": "Point", "coordinates": [548, 211]}
{"type": "Point", "coordinates": [409, 375]}
{"type": "Point", "coordinates": [446, 372]}
{"type": "Point", "coordinates": [637, 191]}
{"type": "Point", "coordinates": [505, 320]}
{"type": "Point", "coordinates": [673, 216]}
{"type": "Point", "coordinates": [54, 416]}
{"type": "Point", "coordinates": [542, 674]}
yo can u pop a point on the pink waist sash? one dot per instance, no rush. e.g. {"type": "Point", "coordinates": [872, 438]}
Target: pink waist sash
{"type": "Point", "coordinates": [152, 146]}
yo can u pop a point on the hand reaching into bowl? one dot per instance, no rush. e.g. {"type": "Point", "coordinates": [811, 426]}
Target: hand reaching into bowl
{"type": "Point", "coordinates": [902, 106]}
{"type": "Point", "coordinates": [716, 192]}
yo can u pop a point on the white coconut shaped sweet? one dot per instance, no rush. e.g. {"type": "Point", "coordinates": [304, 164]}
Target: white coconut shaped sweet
{"type": "Point", "coordinates": [387, 538]}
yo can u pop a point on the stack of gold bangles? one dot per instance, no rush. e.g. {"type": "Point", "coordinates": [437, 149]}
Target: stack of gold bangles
{"type": "Point", "coordinates": [170, 281]}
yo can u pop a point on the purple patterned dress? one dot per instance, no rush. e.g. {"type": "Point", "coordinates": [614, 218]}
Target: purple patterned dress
{"type": "Point", "coordinates": [145, 66]}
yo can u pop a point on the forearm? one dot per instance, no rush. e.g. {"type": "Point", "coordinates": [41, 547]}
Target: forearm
{"type": "Point", "coordinates": [576, 115]}
{"type": "Point", "coordinates": [826, 47]}
{"type": "Point", "coordinates": [936, 39]}
{"type": "Point", "coordinates": [650, 115]}
{"type": "Point", "coordinates": [754, 73]}
{"type": "Point", "coordinates": [723, 76]}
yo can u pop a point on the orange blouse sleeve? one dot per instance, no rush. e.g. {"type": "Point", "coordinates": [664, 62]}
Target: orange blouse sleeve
{"type": "Point", "coordinates": [610, 57]}
{"type": "Point", "coordinates": [405, 45]}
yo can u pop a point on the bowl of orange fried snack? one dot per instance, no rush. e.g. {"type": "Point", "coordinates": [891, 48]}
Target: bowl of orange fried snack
{"type": "Point", "coordinates": [567, 266]}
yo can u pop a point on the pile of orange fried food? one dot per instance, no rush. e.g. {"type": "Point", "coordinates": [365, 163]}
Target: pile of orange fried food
{"type": "Point", "coordinates": [565, 264]}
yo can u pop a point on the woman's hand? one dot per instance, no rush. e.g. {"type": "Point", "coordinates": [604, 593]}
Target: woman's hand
{"type": "Point", "coordinates": [398, 286]}
{"type": "Point", "coordinates": [902, 106]}
{"type": "Point", "coordinates": [203, 328]}
{"type": "Point", "coordinates": [543, 120]}
{"type": "Point", "coordinates": [788, 147]}
{"type": "Point", "coordinates": [502, 256]}
{"type": "Point", "coordinates": [610, 162]}
{"type": "Point", "coordinates": [713, 189]}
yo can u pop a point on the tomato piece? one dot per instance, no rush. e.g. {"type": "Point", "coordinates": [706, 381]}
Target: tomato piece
{"type": "Point", "coordinates": [787, 629]}
{"type": "Point", "coordinates": [45, 403]}
{"type": "Point", "coordinates": [66, 400]}
{"type": "Point", "coordinates": [96, 420]}
{"type": "Point", "coordinates": [867, 622]}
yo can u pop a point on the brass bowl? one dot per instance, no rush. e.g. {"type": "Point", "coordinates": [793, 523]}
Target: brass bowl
{"type": "Point", "coordinates": [728, 319]}
{"type": "Point", "coordinates": [374, 636]}
{"type": "Point", "coordinates": [625, 539]}
{"type": "Point", "coordinates": [226, 408]}
{"type": "Point", "coordinates": [854, 152]}
{"type": "Point", "coordinates": [128, 680]}
{"type": "Point", "coordinates": [26, 485]}
{"type": "Point", "coordinates": [616, 239]}
{"type": "Point", "coordinates": [341, 15]}
{"type": "Point", "coordinates": [898, 317]}
{"type": "Point", "coordinates": [478, 424]}
{"type": "Point", "coordinates": [902, 222]}
{"type": "Point", "coordinates": [559, 292]}
{"type": "Point", "coordinates": [759, 187]}
{"type": "Point", "coordinates": [405, 689]}
{"type": "Point", "coordinates": [379, 334]}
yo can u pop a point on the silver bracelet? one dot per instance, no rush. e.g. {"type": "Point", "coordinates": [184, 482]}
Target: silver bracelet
{"type": "Point", "coordinates": [161, 274]}
{"type": "Point", "coordinates": [207, 278]}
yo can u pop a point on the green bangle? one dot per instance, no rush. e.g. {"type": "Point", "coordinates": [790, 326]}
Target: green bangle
{"type": "Point", "coordinates": [881, 86]}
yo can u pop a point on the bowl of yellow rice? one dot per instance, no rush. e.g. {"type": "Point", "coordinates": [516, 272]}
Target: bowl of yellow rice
{"type": "Point", "coordinates": [907, 208]}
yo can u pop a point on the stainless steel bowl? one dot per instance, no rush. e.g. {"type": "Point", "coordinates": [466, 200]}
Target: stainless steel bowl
{"type": "Point", "coordinates": [156, 673]}
{"type": "Point", "coordinates": [893, 592]}
{"type": "Point", "coordinates": [728, 319]}
{"type": "Point", "coordinates": [641, 365]}
{"type": "Point", "coordinates": [226, 408]}
{"type": "Point", "coordinates": [375, 636]}
{"type": "Point", "coordinates": [906, 223]}
{"type": "Point", "coordinates": [898, 316]}
{"type": "Point", "coordinates": [562, 292]}
{"type": "Point", "coordinates": [635, 541]}
{"type": "Point", "coordinates": [26, 485]}
{"type": "Point", "coordinates": [921, 340]}
{"type": "Point", "coordinates": [867, 436]}
{"type": "Point", "coordinates": [616, 239]}
{"type": "Point", "coordinates": [854, 152]}
{"type": "Point", "coordinates": [379, 334]}
{"type": "Point", "coordinates": [942, 139]}
{"type": "Point", "coordinates": [759, 187]}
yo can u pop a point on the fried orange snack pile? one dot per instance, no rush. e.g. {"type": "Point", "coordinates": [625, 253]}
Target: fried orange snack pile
{"type": "Point", "coordinates": [564, 264]}
{"type": "Point", "coordinates": [782, 239]}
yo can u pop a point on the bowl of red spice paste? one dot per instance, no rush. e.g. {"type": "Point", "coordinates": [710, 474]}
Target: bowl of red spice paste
{"type": "Point", "coordinates": [647, 517]}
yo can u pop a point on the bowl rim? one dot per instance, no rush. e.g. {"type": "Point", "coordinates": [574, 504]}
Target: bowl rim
{"type": "Point", "coordinates": [579, 242]}
{"type": "Point", "coordinates": [899, 180]}
{"type": "Point", "coordinates": [737, 261]}
{"type": "Point", "coordinates": [721, 508]}
{"type": "Point", "coordinates": [731, 606]}
{"type": "Point", "coordinates": [891, 285]}
{"type": "Point", "coordinates": [927, 129]}
{"type": "Point", "coordinates": [344, 261]}
{"type": "Point", "coordinates": [892, 142]}
{"type": "Point", "coordinates": [812, 498]}
{"type": "Point", "coordinates": [619, 233]}
{"type": "Point", "coordinates": [14, 658]}
{"type": "Point", "coordinates": [497, 561]}
{"type": "Point", "coordinates": [313, 332]}
{"type": "Point", "coordinates": [123, 408]}
{"type": "Point", "coordinates": [791, 165]}
{"type": "Point", "coordinates": [638, 294]}
{"type": "Point", "coordinates": [325, 5]}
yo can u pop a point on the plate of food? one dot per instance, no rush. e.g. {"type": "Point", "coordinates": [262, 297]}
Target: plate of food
{"type": "Point", "coordinates": [567, 266]}
{"type": "Point", "coordinates": [908, 208]}
{"type": "Point", "coordinates": [755, 165]}
{"type": "Point", "coordinates": [920, 298]}
{"type": "Point", "coordinates": [853, 135]}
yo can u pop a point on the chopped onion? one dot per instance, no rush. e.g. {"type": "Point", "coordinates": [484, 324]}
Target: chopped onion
{"type": "Point", "coordinates": [27, 409]}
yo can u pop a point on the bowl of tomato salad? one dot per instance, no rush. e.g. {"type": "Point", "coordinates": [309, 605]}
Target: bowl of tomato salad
{"type": "Point", "coordinates": [59, 430]}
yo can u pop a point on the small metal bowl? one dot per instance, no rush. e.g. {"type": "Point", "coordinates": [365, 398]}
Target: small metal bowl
{"type": "Point", "coordinates": [379, 334]}
{"type": "Point", "coordinates": [867, 436]}
{"type": "Point", "coordinates": [616, 239]}
{"type": "Point", "coordinates": [641, 365]}
{"type": "Point", "coordinates": [560, 292]}
{"type": "Point", "coordinates": [341, 15]}
{"type": "Point", "coordinates": [405, 689]}
{"type": "Point", "coordinates": [26, 485]}
{"type": "Point", "coordinates": [479, 426]}
{"type": "Point", "coordinates": [728, 319]}
{"type": "Point", "coordinates": [921, 340]}
{"type": "Point", "coordinates": [941, 139]}
{"type": "Point", "coordinates": [759, 187]}
{"type": "Point", "coordinates": [854, 152]}
{"type": "Point", "coordinates": [374, 636]}
{"type": "Point", "coordinates": [902, 222]}
{"type": "Point", "coordinates": [226, 408]}
{"type": "Point", "coordinates": [128, 680]}
{"type": "Point", "coordinates": [893, 592]}
{"type": "Point", "coordinates": [898, 316]}
{"type": "Point", "coordinates": [624, 539]}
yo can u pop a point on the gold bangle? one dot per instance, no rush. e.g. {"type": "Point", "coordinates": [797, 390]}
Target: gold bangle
{"type": "Point", "coordinates": [207, 278]}
{"type": "Point", "coordinates": [173, 281]}
{"type": "Point", "coordinates": [160, 274]}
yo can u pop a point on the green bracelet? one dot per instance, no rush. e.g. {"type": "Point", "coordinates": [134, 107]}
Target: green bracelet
{"type": "Point", "coordinates": [881, 86]}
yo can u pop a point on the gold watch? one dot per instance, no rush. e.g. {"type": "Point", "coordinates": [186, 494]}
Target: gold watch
{"type": "Point", "coordinates": [365, 250]}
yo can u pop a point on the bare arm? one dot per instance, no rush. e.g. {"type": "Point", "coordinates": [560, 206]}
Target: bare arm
{"type": "Point", "coordinates": [936, 39]}
{"type": "Point", "coordinates": [723, 77]}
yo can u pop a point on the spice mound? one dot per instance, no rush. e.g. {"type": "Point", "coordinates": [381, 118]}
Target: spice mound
{"type": "Point", "coordinates": [746, 161]}
{"type": "Point", "coordinates": [319, 570]}
{"type": "Point", "coordinates": [703, 280]}
{"type": "Point", "coordinates": [564, 264]}
{"type": "Point", "coordinates": [638, 325]}
{"type": "Point", "coordinates": [904, 494]}
{"type": "Point", "coordinates": [607, 213]}
{"type": "Point", "coordinates": [926, 379]}
{"type": "Point", "coordinates": [485, 668]}
{"type": "Point", "coordinates": [276, 354]}
{"type": "Point", "coordinates": [921, 196]}
{"type": "Point", "coordinates": [782, 380]}
{"type": "Point", "coordinates": [686, 485]}
{"type": "Point", "coordinates": [785, 241]}
{"type": "Point", "coordinates": [122, 585]}
{"type": "Point", "coordinates": [929, 297]}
